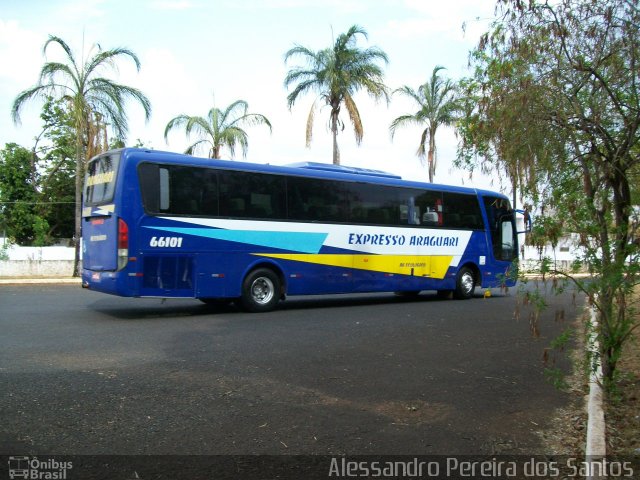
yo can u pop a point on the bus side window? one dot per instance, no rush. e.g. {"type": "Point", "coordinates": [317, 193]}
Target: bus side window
{"type": "Point", "coordinates": [430, 218]}
{"type": "Point", "coordinates": [149, 187]}
{"type": "Point", "coordinates": [186, 187]}
{"type": "Point", "coordinates": [236, 207]}
{"type": "Point", "coordinates": [415, 216]}
{"type": "Point", "coordinates": [409, 212]}
{"type": "Point", "coordinates": [297, 206]}
{"type": "Point", "coordinates": [430, 204]}
{"type": "Point", "coordinates": [165, 202]}
{"type": "Point", "coordinates": [210, 202]}
{"type": "Point", "coordinates": [315, 200]}
{"type": "Point", "coordinates": [462, 211]}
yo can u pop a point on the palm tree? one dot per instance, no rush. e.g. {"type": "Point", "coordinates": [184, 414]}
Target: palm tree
{"type": "Point", "coordinates": [437, 106]}
{"type": "Point", "coordinates": [219, 129]}
{"type": "Point", "coordinates": [94, 100]}
{"type": "Point", "coordinates": [336, 74]}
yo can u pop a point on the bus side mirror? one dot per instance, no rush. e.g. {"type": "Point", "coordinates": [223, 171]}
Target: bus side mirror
{"type": "Point", "coordinates": [527, 221]}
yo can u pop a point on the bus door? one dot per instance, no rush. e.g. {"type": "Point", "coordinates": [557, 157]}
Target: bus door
{"type": "Point", "coordinates": [501, 223]}
{"type": "Point", "coordinates": [102, 231]}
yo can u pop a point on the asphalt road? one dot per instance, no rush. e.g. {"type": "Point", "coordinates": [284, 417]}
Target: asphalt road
{"type": "Point", "coordinates": [86, 373]}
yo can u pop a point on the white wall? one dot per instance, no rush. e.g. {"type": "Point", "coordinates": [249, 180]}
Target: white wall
{"type": "Point", "coordinates": [562, 257]}
{"type": "Point", "coordinates": [54, 261]}
{"type": "Point", "coordinates": [57, 261]}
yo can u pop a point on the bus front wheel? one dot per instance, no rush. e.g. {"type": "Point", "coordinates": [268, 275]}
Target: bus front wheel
{"type": "Point", "coordinates": [260, 291]}
{"type": "Point", "coordinates": [465, 284]}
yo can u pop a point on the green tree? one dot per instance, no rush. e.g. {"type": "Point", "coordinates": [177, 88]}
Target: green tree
{"type": "Point", "coordinates": [39, 188]}
{"type": "Point", "coordinates": [94, 100]}
{"type": "Point", "coordinates": [336, 74]}
{"type": "Point", "coordinates": [56, 160]}
{"type": "Point", "coordinates": [19, 197]}
{"type": "Point", "coordinates": [437, 106]}
{"type": "Point", "coordinates": [221, 128]}
{"type": "Point", "coordinates": [555, 100]}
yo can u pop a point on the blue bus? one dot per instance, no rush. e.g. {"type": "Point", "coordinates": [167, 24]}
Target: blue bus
{"type": "Point", "coordinates": [159, 224]}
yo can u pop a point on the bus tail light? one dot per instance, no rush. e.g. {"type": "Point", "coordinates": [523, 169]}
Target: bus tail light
{"type": "Point", "coordinates": [123, 244]}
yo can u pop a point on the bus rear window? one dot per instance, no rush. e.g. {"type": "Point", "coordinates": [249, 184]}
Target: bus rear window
{"type": "Point", "coordinates": [100, 180]}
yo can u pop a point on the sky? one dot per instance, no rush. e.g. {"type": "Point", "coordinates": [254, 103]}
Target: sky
{"type": "Point", "coordinates": [196, 54]}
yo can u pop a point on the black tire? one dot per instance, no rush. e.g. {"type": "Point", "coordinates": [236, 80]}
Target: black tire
{"type": "Point", "coordinates": [261, 291]}
{"type": "Point", "coordinates": [465, 284]}
{"type": "Point", "coordinates": [444, 294]}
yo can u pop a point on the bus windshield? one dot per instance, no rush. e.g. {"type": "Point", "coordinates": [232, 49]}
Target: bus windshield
{"type": "Point", "coordinates": [100, 180]}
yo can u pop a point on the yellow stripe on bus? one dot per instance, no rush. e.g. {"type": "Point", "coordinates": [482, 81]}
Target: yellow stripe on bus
{"type": "Point", "coordinates": [434, 266]}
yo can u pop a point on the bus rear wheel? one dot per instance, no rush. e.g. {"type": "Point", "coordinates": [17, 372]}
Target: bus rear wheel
{"type": "Point", "coordinates": [260, 291]}
{"type": "Point", "coordinates": [465, 284]}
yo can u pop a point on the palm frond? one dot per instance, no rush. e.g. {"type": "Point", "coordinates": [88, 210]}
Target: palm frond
{"type": "Point", "coordinates": [401, 121]}
{"type": "Point", "coordinates": [105, 90]}
{"type": "Point", "coordinates": [409, 92]}
{"type": "Point", "coordinates": [50, 70]}
{"type": "Point", "coordinates": [26, 95]}
{"type": "Point", "coordinates": [310, 120]}
{"type": "Point", "coordinates": [437, 105]}
{"type": "Point", "coordinates": [301, 88]}
{"type": "Point", "coordinates": [354, 116]}
{"type": "Point", "coordinates": [422, 149]}
{"type": "Point", "coordinates": [173, 124]}
{"type": "Point", "coordinates": [58, 41]}
{"type": "Point", "coordinates": [124, 93]}
{"type": "Point", "coordinates": [254, 119]}
{"type": "Point", "coordinates": [233, 136]}
{"type": "Point", "coordinates": [234, 112]}
{"type": "Point", "coordinates": [199, 126]}
{"type": "Point", "coordinates": [191, 149]}
{"type": "Point", "coordinates": [299, 50]}
{"type": "Point", "coordinates": [221, 128]}
{"type": "Point", "coordinates": [109, 57]}
{"type": "Point", "coordinates": [336, 74]}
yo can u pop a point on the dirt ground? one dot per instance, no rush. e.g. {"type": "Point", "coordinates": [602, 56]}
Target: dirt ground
{"type": "Point", "coordinates": [623, 412]}
{"type": "Point", "coordinates": [622, 409]}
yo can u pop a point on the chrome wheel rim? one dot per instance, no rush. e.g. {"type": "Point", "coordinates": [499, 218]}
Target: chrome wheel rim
{"type": "Point", "coordinates": [466, 282]}
{"type": "Point", "coordinates": [262, 290]}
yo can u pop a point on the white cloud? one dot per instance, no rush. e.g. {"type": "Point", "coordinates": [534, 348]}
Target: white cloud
{"type": "Point", "coordinates": [21, 57]}
{"type": "Point", "coordinates": [443, 18]}
{"type": "Point", "coordinates": [416, 34]}
{"type": "Point", "coordinates": [82, 10]}
{"type": "Point", "coordinates": [344, 6]}
{"type": "Point", "coordinates": [20, 53]}
{"type": "Point", "coordinates": [171, 5]}
{"type": "Point", "coordinates": [172, 90]}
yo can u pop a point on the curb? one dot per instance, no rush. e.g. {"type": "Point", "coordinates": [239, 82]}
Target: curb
{"type": "Point", "coordinates": [41, 281]}
{"type": "Point", "coordinates": [596, 447]}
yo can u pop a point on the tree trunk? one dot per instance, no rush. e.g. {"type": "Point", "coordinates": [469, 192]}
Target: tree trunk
{"type": "Point", "coordinates": [77, 235]}
{"type": "Point", "coordinates": [432, 154]}
{"type": "Point", "coordinates": [430, 165]}
{"type": "Point", "coordinates": [334, 133]}
{"type": "Point", "coordinates": [78, 218]}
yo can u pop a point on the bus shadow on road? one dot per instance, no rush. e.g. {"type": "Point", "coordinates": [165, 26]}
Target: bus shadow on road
{"type": "Point", "coordinates": [356, 300]}
{"type": "Point", "coordinates": [155, 308]}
